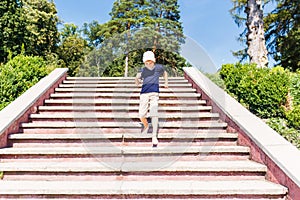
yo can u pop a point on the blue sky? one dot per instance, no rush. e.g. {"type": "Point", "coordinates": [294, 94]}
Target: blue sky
{"type": "Point", "coordinates": [207, 23]}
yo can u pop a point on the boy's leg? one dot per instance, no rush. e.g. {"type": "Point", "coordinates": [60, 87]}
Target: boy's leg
{"type": "Point", "coordinates": [143, 109]}
{"type": "Point", "coordinates": [154, 132]}
{"type": "Point", "coordinates": [145, 124]}
{"type": "Point", "coordinates": [154, 117]}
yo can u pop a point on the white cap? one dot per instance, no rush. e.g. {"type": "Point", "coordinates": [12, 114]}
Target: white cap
{"type": "Point", "coordinates": [148, 55]}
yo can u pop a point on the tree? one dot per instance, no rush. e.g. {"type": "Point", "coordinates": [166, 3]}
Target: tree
{"type": "Point", "coordinates": [257, 50]}
{"type": "Point", "coordinates": [137, 26]}
{"type": "Point", "coordinates": [129, 15]}
{"type": "Point", "coordinates": [72, 49]}
{"type": "Point", "coordinates": [29, 26]}
{"type": "Point", "coordinates": [91, 32]}
{"type": "Point", "coordinates": [12, 28]}
{"type": "Point", "coordinates": [166, 22]}
{"type": "Point", "coordinates": [256, 46]}
{"type": "Point", "coordinates": [41, 25]}
{"type": "Point", "coordinates": [283, 33]}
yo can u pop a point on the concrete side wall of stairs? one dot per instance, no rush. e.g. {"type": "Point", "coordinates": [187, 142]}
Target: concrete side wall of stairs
{"type": "Point", "coordinates": [267, 147]}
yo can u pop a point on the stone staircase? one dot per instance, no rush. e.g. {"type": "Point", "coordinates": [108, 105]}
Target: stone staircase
{"type": "Point", "coordinates": [85, 142]}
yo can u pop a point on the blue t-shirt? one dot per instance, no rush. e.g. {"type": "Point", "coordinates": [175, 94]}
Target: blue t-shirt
{"type": "Point", "coordinates": [151, 78]}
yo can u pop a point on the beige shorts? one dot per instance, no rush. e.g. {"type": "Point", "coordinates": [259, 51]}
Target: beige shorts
{"type": "Point", "coordinates": [149, 101]}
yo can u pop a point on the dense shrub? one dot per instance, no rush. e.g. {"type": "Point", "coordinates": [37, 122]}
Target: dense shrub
{"type": "Point", "coordinates": [18, 75]}
{"type": "Point", "coordinates": [265, 93]}
{"type": "Point", "coordinates": [232, 76]}
{"type": "Point", "coordinates": [295, 88]}
{"type": "Point", "coordinates": [262, 90]}
{"type": "Point", "coordinates": [293, 117]}
{"type": "Point", "coordinates": [216, 79]}
{"type": "Point", "coordinates": [280, 125]}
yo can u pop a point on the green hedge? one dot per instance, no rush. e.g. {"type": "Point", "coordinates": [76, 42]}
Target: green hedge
{"type": "Point", "coordinates": [262, 90]}
{"type": "Point", "coordinates": [295, 88]}
{"type": "Point", "coordinates": [265, 93]}
{"type": "Point", "coordinates": [293, 117]}
{"type": "Point", "coordinates": [281, 126]}
{"type": "Point", "coordinates": [18, 75]}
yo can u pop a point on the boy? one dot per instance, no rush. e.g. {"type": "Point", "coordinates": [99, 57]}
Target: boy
{"type": "Point", "coordinates": [149, 93]}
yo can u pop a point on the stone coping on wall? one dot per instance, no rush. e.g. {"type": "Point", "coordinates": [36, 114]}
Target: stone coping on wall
{"type": "Point", "coordinates": [17, 111]}
{"type": "Point", "coordinates": [285, 155]}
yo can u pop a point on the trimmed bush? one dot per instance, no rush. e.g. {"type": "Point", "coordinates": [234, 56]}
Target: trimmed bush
{"type": "Point", "coordinates": [295, 88]}
{"type": "Point", "coordinates": [293, 117]}
{"type": "Point", "coordinates": [216, 79]}
{"type": "Point", "coordinates": [261, 90]}
{"type": "Point", "coordinates": [280, 125]}
{"type": "Point", "coordinates": [18, 75]}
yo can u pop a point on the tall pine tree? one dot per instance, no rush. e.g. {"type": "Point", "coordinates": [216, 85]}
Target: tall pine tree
{"type": "Point", "coordinates": [283, 33]}
{"type": "Point", "coordinates": [137, 26]}
{"type": "Point", "coordinates": [166, 22]}
{"type": "Point", "coordinates": [129, 15]}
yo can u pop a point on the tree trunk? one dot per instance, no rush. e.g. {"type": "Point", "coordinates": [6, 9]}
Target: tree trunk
{"type": "Point", "coordinates": [127, 58]}
{"type": "Point", "coordinates": [126, 66]}
{"type": "Point", "coordinates": [257, 50]}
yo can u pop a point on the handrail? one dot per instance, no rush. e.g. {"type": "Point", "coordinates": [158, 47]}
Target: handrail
{"type": "Point", "coordinates": [18, 110]}
{"type": "Point", "coordinates": [267, 146]}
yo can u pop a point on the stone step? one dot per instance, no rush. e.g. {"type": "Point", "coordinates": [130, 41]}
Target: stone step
{"type": "Point", "coordinates": [122, 108]}
{"type": "Point", "coordinates": [121, 95]}
{"type": "Point", "coordinates": [122, 90]}
{"type": "Point", "coordinates": [68, 140]}
{"type": "Point", "coordinates": [120, 115]}
{"type": "Point", "coordinates": [122, 124]}
{"type": "Point", "coordinates": [123, 136]}
{"type": "Point", "coordinates": [180, 167]}
{"type": "Point", "coordinates": [121, 81]}
{"type": "Point", "coordinates": [117, 130]}
{"type": "Point", "coordinates": [115, 102]}
{"type": "Point", "coordinates": [123, 151]}
{"type": "Point", "coordinates": [119, 78]}
{"type": "Point", "coordinates": [118, 85]}
{"type": "Point", "coordinates": [143, 189]}
{"type": "Point", "coordinates": [81, 140]}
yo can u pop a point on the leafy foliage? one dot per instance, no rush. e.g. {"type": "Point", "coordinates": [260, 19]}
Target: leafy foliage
{"type": "Point", "coordinates": [280, 125]}
{"type": "Point", "coordinates": [295, 88]}
{"type": "Point", "coordinates": [216, 78]}
{"type": "Point", "coordinates": [72, 49]}
{"type": "Point", "coordinates": [41, 27]}
{"type": "Point", "coordinates": [18, 75]}
{"type": "Point", "coordinates": [262, 91]}
{"type": "Point", "coordinates": [136, 26]}
{"type": "Point", "coordinates": [12, 28]}
{"type": "Point", "coordinates": [27, 26]}
{"type": "Point", "coordinates": [283, 33]}
{"type": "Point", "coordinates": [293, 117]}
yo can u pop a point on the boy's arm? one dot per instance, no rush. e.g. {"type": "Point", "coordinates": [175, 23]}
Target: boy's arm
{"type": "Point", "coordinates": [138, 78]}
{"type": "Point", "coordinates": [166, 79]}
